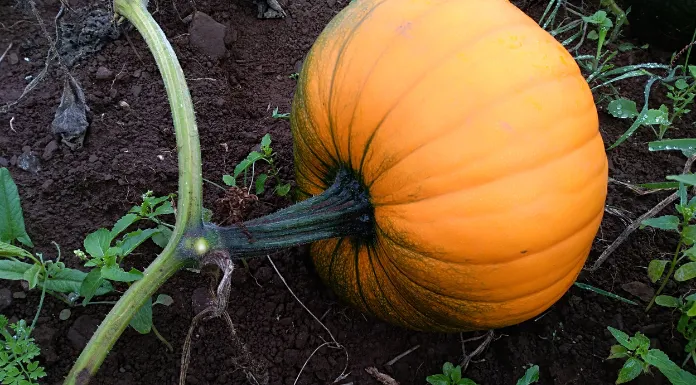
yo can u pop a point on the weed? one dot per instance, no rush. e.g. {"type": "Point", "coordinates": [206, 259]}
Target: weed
{"type": "Point", "coordinates": [278, 115]}
{"type": "Point", "coordinates": [267, 155]}
{"type": "Point", "coordinates": [452, 375]}
{"type": "Point", "coordinates": [640, 358]}
{"type": "Point", "coordinates": [17, 354]}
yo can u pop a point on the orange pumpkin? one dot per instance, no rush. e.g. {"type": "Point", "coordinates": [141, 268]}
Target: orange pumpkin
{"type": "Point", "coordinates": [476, 138]}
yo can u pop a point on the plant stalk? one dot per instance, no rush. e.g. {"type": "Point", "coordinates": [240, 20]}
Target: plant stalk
{"type": "Point", "coordinates": [668, 276]}
{"type": "Point", "coordinates": [189, 203]}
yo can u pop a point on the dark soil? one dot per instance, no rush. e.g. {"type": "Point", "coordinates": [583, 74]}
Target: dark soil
{"type": "Point", "coordinates": [130, 148]}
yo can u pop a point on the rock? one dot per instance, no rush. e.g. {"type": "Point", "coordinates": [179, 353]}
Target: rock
{"type": "Point", "coordinates": [136, 90]}
{"type": "Point", "coordinates": [207, 35]}
{"type": "Point", "coordinates": [29, 162]}
{"type": "Point", "coordinates": [93, 158]}
{"type": "Point", "coordinates": [19, 295]}
{"type": "Point", "coordinates": [331, 3]}
{"type": "Point", "coordinates": [50, 148]}
{"type": "Point", "coordinates": [5, 298]}
{"type": "Point", "coordinates": [4, 162]}
{"type": "Point", "coordinates": [81, 331]}
{"type": "Point", "coordinates": [639, 289]}
{"type": "Point", "coordinates": [46, 184]}
{"type": "Point", "coordinates": [104, 73]}
{"type": "Point", "coordinates": [13, 58]}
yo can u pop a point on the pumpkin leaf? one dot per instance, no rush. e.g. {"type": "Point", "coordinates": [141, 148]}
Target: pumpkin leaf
{"type": "Point", "coordinates": [666, 222]}
{"type": "Point", "coordinates": [656, 268]}
{"type": "Point", "coordinates": [531, 376]}
{"type": "Point", "coordinates": [685, 272]}
{"type": "Point", "coordinates": [630, 371]}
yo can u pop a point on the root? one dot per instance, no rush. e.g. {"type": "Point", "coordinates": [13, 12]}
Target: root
{"type": "Point", "coordinates": [333, 344]}
{"type": "Point", "coordinates": [5, 53]}
{"type": "Point", "coordinates": [636, 223]}
{"type": "Point", "coordinates": [383, 379]}
{"type": "Point", "coordinates": [468, 357]}
{"type": "Point", "coordinates": [255, 372]}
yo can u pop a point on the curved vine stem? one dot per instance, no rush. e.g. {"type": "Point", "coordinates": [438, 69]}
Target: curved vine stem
{"type": "Point", "coordinates": [189, 204]}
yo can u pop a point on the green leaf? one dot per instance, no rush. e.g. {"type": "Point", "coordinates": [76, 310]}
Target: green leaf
{"type": "Point", "coordinates": [666, 222]}
{"type": "Point", "coordinates": [667, 301]}
{"type": "Point", "coordinates": [163, 299]}
{"type": "Point", "coordinates": [686, 146]}
{"type": "Point", "coordinates": [134, 239]}
{"type": "Point", "coordinates": [692, 71]}
{"type": "Point", "coordinates": [630, 371]}
{"type": "Point", "coordinates": [266, 140]}
{"type": "Point", "coordinates": [688, 179]}
{"type": "Point", "coordinates": [692, 311]}
{"type": "Point", "coordinates": [116, 273]}
{"type": "Point", "coordinates": [447, 368]}
{"type": "Point", "coordinates": [604, 293]}
{"type": "Point", "coordinates": [123, 224]}
{"type": "Point", "coordinates": [675, 374]}
{"type": "Point", "coordinates": [466, 381]}
{"type": "Point", "coordinates": [10, 251]}
{"type": "Point", "coordinates": [142, 320]}
{"type": "Point", "coordinates": [260, 183]}
{"type": "Point", "coordinates": [593, 35]}
{"type": "Point", "coordinates": [229, 180]}
{"type": "Point", "coordinates": [161, 237]}
{"type": "Point", "coordinates": [531, 376]}
{"type": "Point", "coordinates": [32, 275]}
{"type": "Point", "coordinates": [163, 209]}
{"type": "Point", "coordinates": [11, 215]}
{"type": "Point", "coordinates": [283, 189]}
{"type": "Point", "coordinates": [623, 338]}
{"type": "Point", "coordinates": [681, 84]}
{"type": "Point", "coordinates": [656, 117]}
{"type": "Point", "coordinates": [13, 270]}
{"type": "Point", "coordinates": [207, 214]}
{"type": "Point", "coordinates": [438, 379]}
{"type": "Point", "coordinates": [689, 232]}
{"type": "Point", "coordinates": [88, 289]}
{"type": "Point", "coordinates": [456, 373]}
{"type": "Point", "coordinates": [97, 243]}
{"type": "Point", "coordinates": [623, 108]}
{"type": "Point", "coordinates": [685, 272]}
{"type": "Point", "coordinates": [656, 268]}
{"type": "Point", "coordinates": [617, 351]}
{"type": "Point", "coordinates": [659, 185]}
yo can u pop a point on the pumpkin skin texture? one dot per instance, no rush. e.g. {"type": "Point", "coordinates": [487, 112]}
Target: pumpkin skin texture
{"type": "Point", "coordinates": [477, 140]}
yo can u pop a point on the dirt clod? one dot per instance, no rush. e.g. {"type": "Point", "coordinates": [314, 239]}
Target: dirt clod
{"type": "Point", "coordinates": [208, 36]}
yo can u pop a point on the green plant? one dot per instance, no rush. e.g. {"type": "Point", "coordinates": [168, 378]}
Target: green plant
{"type": "Point", "coordinates": [686, 326]}
{"type": "Point", "coordinates": [452, 375]}
{"type": "Point", "coordinates": [278, 115]}
{"type": "Point", "coordinates": [18, 352]}
{"type": "Point", "coordinates": [267, 155]}
{"type": "Point", "coordinates": [681, 93]}
{"type": "Point", "coordinates": [640, 358]}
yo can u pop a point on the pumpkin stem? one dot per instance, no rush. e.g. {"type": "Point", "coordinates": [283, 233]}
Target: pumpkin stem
{"type": "Point", "coordinates": [344, 209]}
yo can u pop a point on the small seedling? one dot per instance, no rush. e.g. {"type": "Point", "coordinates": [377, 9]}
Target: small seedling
{"type": "Point", "coordinates": [682, 267]}
{"type": "Point", "coordinates": [640, 358]}
{"type": "Point", "coordinates": [18, 353]}
{"type": "Point", "coordinates": [452, 375]}
{"type": "Point", "coordinates": [278, 115]}
{"type": "Point", "coordinates": [267, 155]}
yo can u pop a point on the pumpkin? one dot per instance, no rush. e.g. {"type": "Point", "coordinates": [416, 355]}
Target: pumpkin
{"type": "Point", "coordinates": [476, 138]}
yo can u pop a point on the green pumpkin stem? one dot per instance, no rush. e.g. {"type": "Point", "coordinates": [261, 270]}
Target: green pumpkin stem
{"type": "Point", "coordinates": [342, 210]}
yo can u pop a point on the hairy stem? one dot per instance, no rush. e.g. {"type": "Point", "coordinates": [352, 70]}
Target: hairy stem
{"type": "Point", "coordinates": [189, 205]}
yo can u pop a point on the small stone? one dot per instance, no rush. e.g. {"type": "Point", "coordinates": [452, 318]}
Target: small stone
{"type": "Point", "coordinates": [26, 149]}
{"type": "Point", "coordinates": [639, 289]}
{"type": "Point", "coordinates": [19, 295]}
{"type": "Point", "coordinates": [5, 298]}
{"type": "Point", "coordinates": [136, 73]}
{"type": "Point", "coordinates": [93, 158]}
{"type": "Point", "coordinates": [29, 162]}
{"type": "Point", "coordinates": [4, 162]}
{"type": "Point", "coordinates": [207, 35]}
{"type": "Point", "coordinates": [13, 58]}
{"type": "Point", "coordinates": [331, 3]}
{"type": "Point", "coordinates": [13, 160]}
{"type": "Point", "coordinates": [136, 90]}
{"type": "Point", "coordinates": [64, 314]}
{"type": "Point", "coordinates": [50, 148]}
{"type": "Point", "coordinates": [46, 184]}
{"type": "Point", "coordinates": [104, 73]}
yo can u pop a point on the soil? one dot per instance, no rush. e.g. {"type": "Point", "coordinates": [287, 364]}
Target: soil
{"type": "Point", "coordinates": [130, 148]}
